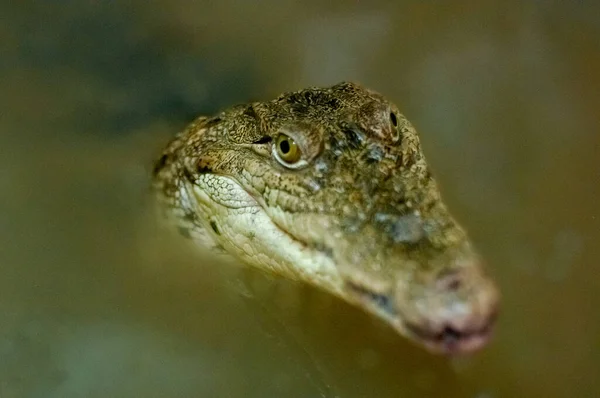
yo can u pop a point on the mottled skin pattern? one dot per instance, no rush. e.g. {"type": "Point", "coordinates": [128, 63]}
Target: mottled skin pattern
{"type": "Point", "coordinates": [358, 214]}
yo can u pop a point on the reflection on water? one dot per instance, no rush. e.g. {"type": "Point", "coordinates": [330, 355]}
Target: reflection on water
{"type": "Point", "coordinates": [98, 300]}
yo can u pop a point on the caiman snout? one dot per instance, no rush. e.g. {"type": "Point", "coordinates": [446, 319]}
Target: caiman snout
{"type": "Point", "coordinates": [453, 313]}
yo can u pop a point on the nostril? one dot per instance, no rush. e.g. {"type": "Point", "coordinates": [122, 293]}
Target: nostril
{"type": "Point", "coordinates": [450, 336]}
{"type": "Point", "coordinates": [450, 281]}
{"type": "Point", "coordinates": [454, 284]}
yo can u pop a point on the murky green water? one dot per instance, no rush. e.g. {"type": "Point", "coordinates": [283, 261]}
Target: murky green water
{"type": "Point", "coordinates": [96, 300]}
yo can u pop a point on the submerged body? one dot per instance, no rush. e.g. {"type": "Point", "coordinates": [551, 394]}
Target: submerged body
{"type": "Point", "coordinates": [330, 186]}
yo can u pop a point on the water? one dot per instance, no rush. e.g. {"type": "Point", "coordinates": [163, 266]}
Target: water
{"type": "Point", "coordinates": [98, 300]}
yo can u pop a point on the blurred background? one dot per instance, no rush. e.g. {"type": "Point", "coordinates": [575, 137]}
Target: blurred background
{"type": "Point", "coordinates": [96, 300]}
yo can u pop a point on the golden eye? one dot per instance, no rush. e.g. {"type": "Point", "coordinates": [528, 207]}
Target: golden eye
{"type": "Point", "coordinates": [287, 149]}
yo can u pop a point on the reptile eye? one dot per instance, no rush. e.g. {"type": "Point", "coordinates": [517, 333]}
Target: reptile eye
{"type": "Point", "coordinates": [287, 150]}
{"type": "Point", "coordinates": [394, 119]}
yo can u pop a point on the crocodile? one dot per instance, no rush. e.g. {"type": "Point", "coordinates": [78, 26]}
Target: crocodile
{"type": "Point", "coordinates": [330, 186]}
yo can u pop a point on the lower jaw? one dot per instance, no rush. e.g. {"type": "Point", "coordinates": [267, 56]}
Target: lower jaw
{"type": "Point", "coordinates": [450, 341]}
{"type": "Point", "coordinates": [460, 346]}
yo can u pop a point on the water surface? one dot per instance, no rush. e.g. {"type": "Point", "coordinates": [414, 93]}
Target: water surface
{"type": "Point", "coordinates": [96, 299]}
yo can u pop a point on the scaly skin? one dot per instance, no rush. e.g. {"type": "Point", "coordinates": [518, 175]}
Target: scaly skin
{"type": "Point", "coordinates": [358, 214]}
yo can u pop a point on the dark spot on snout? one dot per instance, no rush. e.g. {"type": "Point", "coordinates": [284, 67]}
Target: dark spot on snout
{"type": "Point", "coordinates": [381, 300]}
{"type": "Point", "coordinates": [449, 280]}
{"type": "Point", "coordinates": [214, 227]}
{"type": "Point", "coordinates": [373, 154]}
{"type": "Point", "coordinates": [336, 145]}
{"type": "Point", "coordinates": [328, 251]}
{"type": "Point", "coordinates": [407, 228]}
{"type": "Point", "coordinates": [354, 136]}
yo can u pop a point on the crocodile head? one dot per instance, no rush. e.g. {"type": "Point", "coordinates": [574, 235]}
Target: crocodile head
{"type": "Point", "coordinates": [330, 186]}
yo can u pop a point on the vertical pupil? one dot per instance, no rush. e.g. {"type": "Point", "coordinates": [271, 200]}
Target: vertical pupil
{"type": "Point", "coordinates": [284, 146]}
{"type": "Point", "coordinates": [394, 120]}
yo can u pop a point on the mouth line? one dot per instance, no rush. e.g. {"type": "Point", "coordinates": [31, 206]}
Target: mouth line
{"type": "Point", "coordinates": [452, 340]}
{"type": "Point", "coordinates": [447, 339]}
{"type": "Point", "coordinates": [381, 301]}
{"type": "Point", "coordinates": [316, 246]}
{"type": "Point", "coordinates": [258, 202]}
